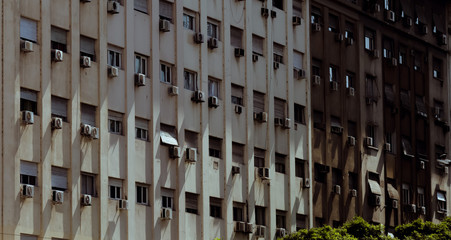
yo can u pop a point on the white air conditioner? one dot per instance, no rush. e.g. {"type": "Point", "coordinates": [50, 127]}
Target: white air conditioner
{"type": "Point", "coordinates": [424, 29]}
{"type": "Point", "coordinates": [412, 208]}
{"type": "Point", "coordinates": [198, 96]}
{"type": "Point", "coordinates": [173, 90]}
{"type": "Point", "coordinates": [165, 25]}
{"type": "Point", "coordinates": [235, 170]}
{"type": "Point", "coordinates": [369, 141]}
{"type": "Point", "coordinates": [394, 62]}
{"type": "Point", "coordinates": [27, 117]}
{"type": "Point", "coordinates": [316, 27]}
{"type": "Point", "coordinates": [26, 46]}
{"type": "Point", "coordinates": [264, 12]}
{"type": "Point", "coordinates": [260, 231]}
{"type": "Point", "coordinates": [278, 122]}
{"type": "Point", "coordinates": [276, 65]}
{"type": "Point", "coordinates": [334, 86]}
{"type": "Point", "coordinates": [387, 147]}
{"type": "Point", "coordinates": [27, 191]}
{"type": "Point", "coordinates": [174, 152]}
{"type": "Point", "coordinates": [349, 41]}
{"type": "Point", "coordinates": [316, 80]}
{"type": "Point", "coordinates": [394, 204]}
{"type": "Point", "coordinates": [94, 133]}
{"type": "Point", "coordinates": [249, 228]}
{"type": "Point", "coordinates": [287, 123]}
{"type": "Point", "coordinates": [306, 182]}
{"type": "Point", "coordinates": [422, 210]}
{"type": "Point", "coordinates": [354, 192]}
{"type": "Point", "coordinates": [113, 71]}
{"type": "Point", "coordinates": [239, 52]}
{"type": "Point", "coordinates": [337, 189]}
{"type": "Point", "coordinates": [213, 101]}
{"type": "Point", "coordinates": [86, 200]}
{"type": "Point", "coordinates": [238, 109]}
{"type": "Point", "coordinates": [442, 40]}
{"type": "Point", "coordinates": [351, 141]}
{"type": "Point", "coordinates": [351, 91]}
{"type": "Point", "coordinates": [212, 43]}
{"type": "Point", "coordinates": [296, 20]}
{"type": "Point", "coordinates": [298, 73]}
{"type": "Point", "coordinates": [339, 37]}
{"type": "Point", "coordinates": [166, 213]}
{"type": "Point", "coordinates": [240, 226]}
{"type": "Point", "coordinates": [390, 16]}
{"type": "Point", "coordinates": [254, 57]}
{"type": "Point", "coordinates": [191, 154]}
{"type": "Point", "coordinates": [281, 232]}
{"type": "Point", "coordinates": [57, 123]}
{"type": "Point", "coordinates": [261, 116]}
{"type": "Point", "coordinates": [57, 197]}
{"type": "Point", "coordinates": [336, 129]}
{"type": "Point", "coordinates": [445, 170]}
{"type": "Point", "coordinates": [263, 173]}
{"type": "Point", "coordinates": [422, 165]}
{"type": "Point", "coordinates": [198, 38]}
{"type": "Point", "coordinates": [376, 200]}
{"type": "Point", "coordinates": [86, 130]}
{"type": "Point", "coordinates": [85, 62]}
{"type": "Point", "coordinates": [140, 79]}
{"type": "Point", "coordinates": [408, 22]}
{"type": "Point", "coordinates": [57, 55]}
{"type": "Point", "coordinates": [122, 204]}
{"type": "Point", "coordinates": [113, 7]}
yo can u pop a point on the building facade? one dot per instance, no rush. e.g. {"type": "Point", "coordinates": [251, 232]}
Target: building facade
{"type": "Point", "coordinates": [154, 119]}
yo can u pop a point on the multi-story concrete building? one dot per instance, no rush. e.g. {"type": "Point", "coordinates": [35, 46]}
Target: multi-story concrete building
{"type": "Point", "coordinates": [380, 109]}
{"type": "Point", "coordinates": [154, 119]}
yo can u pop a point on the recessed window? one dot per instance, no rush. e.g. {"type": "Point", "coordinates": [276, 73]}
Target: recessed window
{"type": "Point", "coordinates": [333, 23]}
{"type": "Point", "coordinates": [191, 139]}
{"type": "Point", "coordinates": [88, 47]}
{"type": "Point", "coordinates": [371, 130]}
{"type": "Point", "coordinates": [260, 215]}
{"type": "Point", "coordinates": [191, 202]}
{"type": "Point", "coordinates": [237, 153]}
{"type": "Point", "coordinates": [165, 73]}
{"type": "Point", "coordinates": [278, 4]}
{"type": "Point", "coordinates": [212, 29]}
{"type": "Point", "coordinates": [297, 8]}
{"type": "Point", "coordinates": [301, 222]}
{"type": "Point", "coordinates": [350, 76]}
{"type": "Point", "coordinates": [299, 114]}
{"type": "Point", "coordinates": [337, 177]}
{"type": "Point", "coordinates": [421, 198]}
{"type": "Point", "coordinates": [257, 45]}
{"type": "Point", "coordinates": [59, 107]}
{"type": "Point", "coordinates": [352, 129]}
{"type": "Point", "coordinates": [353, 180]}
{"type": "Point", "coordinates": [390, 138]}
{"type": "Point", "coordinates": [407, 149]}
{"type": "Point", "coordinates": [58, 39]}
{"type": "Point", "coordinates": [280, 163]}
{"type": "Point", "coordinates": [318, 119]}
{"type": "Point", "coordinates": [59, 178]}
{"type": "Point", "coordinates": [316, 67]}
{"type": "Point", "coordinates": [28, 173]}
{"type": "Point", "coordinates": [280, 108]}
{"type": "Point", "coordinates": [236, 37]}
{"type": "Point", "coordinates": [372, 93]}
{"type": "Point", "coordinates": [214, 147]}
{"type": "Point", "coordinates": [349, 30]}
{"type": "Point", "coordinates": [297, 60]}
{"type": "Point", "coordinates": [28, 237]}
{"type": "Point", "coordinates": [237, 95]}
{"type": "Point", "coordinates": [402, 57]}
{"type": "Point", "coordinates": [115, 122]}
{"type": "Point", "coordinates": [140, 64]}
{"type": "Point", "coordinates": [115, 188]}
{"type": "Point", "coordinates": [215, 207]}
{"type": "Point", "coordinates": [168, 135]}
{"type": "Point", "coordinates": [316, 15]}
{"type": "Point", "coordinates": [114, 57]}
{"type": "Point", "coordinates": [278, 53]}
{"type": "Point", "coordinates": [281, 219]}
{"type": "Point", "coordinates": [167, 198]}
{"type": "Point", "coordinates": [142, 194]}
{"type": "Point", "coordinates": [88, 184]}
{"type": "Point", "coordinates": [259, 102]}
{"type": "Point", "coordinates": [388, 48]}
{"type": "Point", "coordinates": [259, 157]}
{"type": "Point", "coordinates": [142, 129]}
{"type": "Point", "coordinates": [140, 5]}
{"type": "Point", "coordinates": [190, 80]}
{"type": "Point", "coordinates": [406, 198]}
{"type": "Point", "coordinates": [189, 21]}
{"type": "Point", "coordinates": [214, 87]}
{"type": "Point", "coordinates": [28, 29]}
{"type": "Point", "coordinates": [370, 36]}
{"type": "Point", "coordinates": [321, 172]}
{"type": "Point", "coordinates": [333, 73]}
{"type": "Point", "coordinates": [28, 100]}
{"type": "Point", "coordinates": [441, 201]}
{"type": "Point", "coordinates": [437, 68]}
{"type": "Point", "coordinates": [300, 168]}
{"type": "Point", "coordinates": [88, 114]}
{"type": "Point", "coordinates": [238, 211]}
{"type": "Point", "coordinates": [166, 10]}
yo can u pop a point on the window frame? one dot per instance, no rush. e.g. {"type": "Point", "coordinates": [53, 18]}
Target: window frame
{"type": "Point", "coordinates": [214, 87]}
{"type": "Point", "coordinates": [213, 29]}
{"type": "Point", "coordinates": [189, 21]}
{"type": "Point", "coordinates": [84, 188]}
{"type": "Point", "coordinates": [115, 188]}
{"type": "Point", "coordinates": [166, 73]}
{"type": "Point", "coordinates": [143, 190]}
{"type": "Point", "coordinates": [114, 57]}
{"type": "Point", "coordinates": [190, 80]}
{"type": "Point", "coordinates": [141, 62]}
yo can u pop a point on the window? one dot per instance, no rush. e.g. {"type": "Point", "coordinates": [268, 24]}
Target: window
{"type": "Point", "coordinates": [420, 106]}
{"type": "Point", "coordinates": [214, 87]}
{"type": "Point", "coordinates": [353, 180]}
{"type": "Point", "coordinates": [88, 184]}
{"type": "Point", "coordinates": [316, 67]}
{"type": "Point", "coordinates": [297, 8]}
{"type": "Point", "coordinates": [390, 138]}
{"type": "Point", "coordinates": [28, 237]}
{"type": "Point", "coordinates": [212, 30]}
{"type": "Point", "coordinates": [371, 131]}
{"type": "Point", "coordinates": [279, 108]}
{"type": "Point", "coordinates": [167, 198]}
{"type": "Point", "coordinates": [190, 80]}
{"type": "Point", "coordinates": [297, 60]}
{"type": "Point", "coordinates": [28, 173]}
{"type": "Point", "coordinates": [260, 215]}
{"type": "Point", "coordinates": [441, 201]}
{"type": "Point", "coordinates": [315, 15]}
{"type": "Point", "coordinates": [333, 23]}
{"type": "Point", "coordinates": [140, 64]}
{"type": "Point", "coordinates": [281, 219]}
{"type": "Point", "coordinates": [389, 94]}
{"type": "Point", "coordinates": [28, 100]}
{"type": "Point", "coordinates": [88, 114]}
{"type": "Point", "coordinates": [438, 109]}
{"type": "Point", "coordinates": [141, 129]}
{"type": "Point", "coordinates": [321, 172]}
{"type": "Point", "coordinates": [405, 194]}
{"type": "Point", "coordinates": [350, 79]}
{"type": "Point", "coordinates": [115, 122]}
{"type": "Point", "coordinates": [140, 5]}
{"type": "Point", "coordinates": [371, 89]}
{"type": "Point", "coordinates": [417, 62]}
{"type": "Point", "coordinates": [238, 211]}
{"type": "Point", "coordinates": [165, 73]}
{"type": "Point", "coordinates": [236, 37]}
{"type": "Point", "coordinates": [407, 147]}
{"type": "Point", "coordinates": [215, 146]}
{"type": "Point", "coordinates": [278, 53]}
{"type": "Point", "coordinates": [168, 135]}
{"type": "Point", "coordinates": [388, 48]}
{"type": "Point", "coordinates": [420, 195]}
{"type": "Point", "coordinates": [257, 45]}
{"type": "Point", "coordinates": [280, 163]}
{"type": "Point", "coordinates": [402, 58]}
{"type": "Point", "coordinates": [370, 36]}
{"type": "Point", "coordinates": [404, 95]}
{"type": "Point", "coordinates": [59, 107]}
{"type": "Point", "coordinates": [337, 176]}
{"type": "Point", "coordinates": [301, 222]}
{"type": "Point", "coordinates": [299, 114]}
{"type": "Point", "coordinates": [438, 24]}
{"type": "Point", "coordinates": [215, 207]}
{"type": "Point", "coordinates": [259, 102]}
{"type": "Point", "coordinates": [333, 73]}
{"type": "Point", "coordinates": [300, 168]}
{"type": "Point", "coordinates": [142, 194]}
{"type": "Point", "coordinates": [335, 122]}
{"type": "Point", "coordinates": [115, 188]}
{"type": "Point", "coordinates": [237, 95]}
{"type": "Point", "coordinates": [278, 4]}
{"type": "Point", "coordinates": [437, 68]}
{"type": "Point", "coordinates": [88, 47]}
{"type": "Point", "coordinates": [191, 200]}
{"type": "Point", "coordinates": [349, 30]}
{"type": "Point", "coordinates": [58, 39]}
{"type": "Point", "coordinates": [188, 22]}
{"type": "Point", "coordinates": [259, 157]}
{"type": "Point", "coordinates": [440, 151]}
{"type": "Point", "coordinates": [166, 10]}
{"type": "Point", "coordinates": [237, 153]}
{"type": "Point", "coordinates": [59, 178]}
{"type": "Point", "coordinates": [387, 4]}
{"type": "Point", "coordinates": [114, 57]}
{"type": "Point", "coordinates": [191, 139]}
{"type": "Point", "coordinates": [318, 121]}
{"type": "Point", "coordinates": [28, 29]}
{"type": "Point", "coordinates": [352, 129]}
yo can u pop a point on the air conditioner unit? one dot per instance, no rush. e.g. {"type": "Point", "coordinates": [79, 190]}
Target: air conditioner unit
{"type": "Point", "coordinates": [166, 213]}
{"type": "Point", "coordinates": [339, 37]}
{"type": "Point", "coordinates": [212, 43]}
{"type": "Point", "coordinates": [140, 79]}
{"type": "Point", "coordinates": [422, 165]}
{"type": "Point", "coordinates": [239, 52]}
{"type": "Point", "coordinates": [238, 109]}
{"type": "Point", "coordinates": [424, 29]}
{"type": "Point", "coordinates": [260, 231]}
{"type": "Point", "coordinates": [240, 226]}
{"type": "Point", "coordinates": [235, 170]}
{"type": "Point", "coordinates": [265, 12]}
{"type": "Point", "coordinates": [113, 7]}
{"type": "Point", "coordinates": [174, 152]}
{"type": "Point", "coordinates": [334, 86]}
{"type": "Point", "coordinates": [86, 130]}
{"type": "Point", "coordinates": [296, 20]}
{"type": "Point", "coordinates": [261, 116]}
{"type": "Point", "coordinates": [369, 141]}
{"type": "Point", "coordinates": [191, 155]}
{"type": "Point", "coordinates": [278, 122]}
{"type": "Point", "coordinates": [57, 55]}
{"type": "Point", "coordinates": [198, 96]}
{"type": "Point", "coordinates": [164, 25]}
{"type": "Point", "coordinates": [351, 91]}
{"type": "Point", "coordinates": [349, 41]}
{"type": "Point", "coordinates": [375, 200]}
{"type": "Point", "coordinates": [412, 208]}
{"type": "Point", "coordinates": [437, 111]}
{"type": "Point", "coordinates": [198, 38]}
{"type": "Point", "coordinates": [316, 80]}
{"type": "Point", "coordinates": [394, 62]}
{"type": "Point", "coordinates": [287, 123]}
{"type": "Point", "coordinates": [422, 210]}
{"type": "Point", "coordinates": [375, 53]}
{"type": "Point", "coordinates": [273, 14]}
{"type": "Point", "coordinates": [299, 73]}
{"type": "Point", "coordinates": [276, 65]}
{"type": "Point", "coordinates": [281, 232]}
{"type": "Point", "coordinates": [394, 204]}
{"type": "Point", "coordinates": [369, 100]}
{"type": "Point", "coordinates": [213, 101]}
{"type": "Point", "coordinates": [390, 16]}
{"type": "Point", "coordinates": [316, 27]}
{"type": "Point", "coordinates": [442, 40]}
{"type": "Point", "coordinates": [336, 129]}
{"type": "Point", "coordinates": [86, 200]}
{"type": "Point", "coordinates": [249, 228]}
{"type": "Point", "coordinates": [113, 71]}
{"type": "Point", "coordinates": [57, 123]}
{"type": "Point", "coordinates": [27, 117]}
{"type": "Point", "coordinates": [445, 170]}
{"type": "Point", "coordinates": [57, 197]}
{"type": "Point", "coordinates": [27, 191]}
{"type": "Point", "coordinates": [122, 204]}
{"type": "Point", "coordinates": [407, 22]}
{"type": "Point", "coordinates": [254, 57]}
{"type": "Point", "coordinates": [353, 192]}
{"type": "Point", "coordinates": [85, 62]}
{"type": "Point", "coordinates": [173, 90]}
{"type": "Point", "coordinates": [26, 46]}
{"type": "Point", "coordinates": [337, 189]}
{"type": "Point", "coordinates": [351, 141]}
{"type": "Point", "coordinates": [95, 133]}
{"type": "Point", "coordinates": [387, 147]}
{"type": "Point", "coordinates": [306, 182]}
{"type": "Point", "coordinates": [376, 8]}
{"type": "Point", "coordinates": [263, 173]}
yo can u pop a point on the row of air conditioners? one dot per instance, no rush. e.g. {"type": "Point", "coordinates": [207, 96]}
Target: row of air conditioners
{"type": "Point", "coordinates": [27, 191]}
{"type": "Point", "coordinates": [89, 131]}
{"type": "Point", "coordinates": [244, 227]}
{"type": "Point", "coordinates": [285, 123]}
{"type": "Point", "coordinates": [28, 118]}
{"type": "Point", "coordinates": [298, 73]}
{"type": "Point", "coordinates": [190, 153]}
{"type": "Point", "coordinates": [265, 12]}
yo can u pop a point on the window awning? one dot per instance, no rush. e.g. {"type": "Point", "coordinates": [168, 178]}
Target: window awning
{"type": "Point", "coordinates": [375, 188]}
{"type": "Point", "coordinates": [392, 192]}
{"type": "Point", "coordinates": [441, 197]}
{"type": "Point", "coordinates": [167, 138]}
{"type": "Point", "coordinates": [407, 147]}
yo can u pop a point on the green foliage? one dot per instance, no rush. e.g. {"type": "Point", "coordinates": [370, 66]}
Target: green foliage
{"type": "Point", "coordinates": [419, 229]}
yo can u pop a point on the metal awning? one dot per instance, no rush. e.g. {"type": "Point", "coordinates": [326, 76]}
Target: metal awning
{"type": "Point", "coordinates": [392, 192]}
{"type": "Point", "coordinates": [441, 196]}
{"type": "Point", "coordinates": [375, 188]}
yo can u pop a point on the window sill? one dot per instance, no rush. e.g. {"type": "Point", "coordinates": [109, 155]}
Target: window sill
{"type": "Point", "coordinates": [373, 148]}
